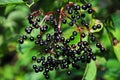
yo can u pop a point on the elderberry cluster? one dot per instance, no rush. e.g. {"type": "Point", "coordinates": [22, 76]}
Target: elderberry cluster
{"type": "Point", "coordinates": [61, 53]}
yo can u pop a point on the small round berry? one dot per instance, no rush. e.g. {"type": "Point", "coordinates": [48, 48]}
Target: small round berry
{"type": "Point", "coordinates": [98, 45]}
{"type": "Point", "coordinates": [83, 35]}
{"type": "Point", "coordinates": [64, 21]}
{"type": "Point", "coordinates": [94, 27]}
{"type": "Point", "coordinates": [36, 70]}
{"type": "Point", "coordinates": [94, 57]}
{"type": "Point", "coordinates": [84, 7]}
{"type": "Point", "coordinates": [31, 38]}
{"type": "Point", "coordinates": [102, 49]}
{"type": "Point", "coordinates": [74, 33]}
{"type": "Point", "coordinates": [98, 26]}
{"type": "Point", "coordinates": [33, 58]}
{"type": "Point", "coordinates": [72, 37]}
{"type": "Point", "coordinates": [24, 37]}
{"type": "Point", "coordinates": [68, 72]}
{"type": "Point", "coordinates": [90, 11]}
{"type": "Point", "coordinates": [89, 5]}
{"type": "Point", "coordinates": [21, 41]}
{"type": "Point", "coordinates": [71, 23]}
{"type": "Point", "coordinates": [38, 19]}
{"type": "Point", "coordinates": [70, 11]}
{"type": "Point", "coordinates": [82, 15]}
{"type": "Point", "coordinates": [34, 66]}
{"type": "Point", "coordinates": [93, 38]}
{"type": "Point", "coordinates": [30, 17]}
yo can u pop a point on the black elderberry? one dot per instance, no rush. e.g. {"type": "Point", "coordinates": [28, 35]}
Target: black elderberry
{"type": "Point", "coordinates": [94, 27]}
{"type": "Point", "coordinates": [31, 38]}
{"type": "Point", "coordinates": [70, 11]}
{"type": "Point", "coordinates": [21, 41]}
{"type": "Point", "coordinates": [68, 72]}
{"type": "Point", "coordinates": [89, 5]}
{"type": "Point", "coordinates": [83, 35]}
{"type": "Point", "coordinates": [38, 60]}
{"type": "Point", "coordinates": [98, 45]}
{"type": "Point", "coordinates": [67, 40]}
{"type": "Point", "coordinates": [34, 58]}
{"type": "Point", "coordinates": [34, 24]}
{"type": "Point", "coordinates": [102, 49]}
{"type": "Point", "coordinates": [73, 16]}
{"type": "Point", "coordinates": [84, 7]}
{"type": "Point", "coordinates": [38, 19]}
{"type": "Point", "coordinates": [58, 10]}
{"type": "Point", "coordinates": [93, 38]}
{"type": "Point", "coordinates": [24, 37]}
{"type": "Point", "coordinates": [40, 69]}
{"type": "Point", "coordinates": [90, 11]}
{"type": "Point", "coordinates": [51, 17]}
{"type": "Point", "coordinates": [30, 17]}
{"type": "Point", "coordinates": [76, 12]}
{"type": "Point", "coordinates": [98, 26]}
{"type": "Point", "coordinates": [94, 57]}
{"type": "Point", "coordinates": [72, 37]}
{"type": "Point", "coordinates": [34, 66]}
{"type": "Point", "coordinates": [74, 33]}
{"type": "Point", "coordinates": [36, 70]}
{"type": "Point", "coordinates": [64, 21]}
{"type": "Point", "coordinates": [71, 23]}
{"type": "Point", "coordinates": [85, 43]}
{"type": "Point", "coordinates": [82, 15]}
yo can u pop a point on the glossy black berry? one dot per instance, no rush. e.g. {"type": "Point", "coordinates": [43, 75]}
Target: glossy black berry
{"type": "Point", "coordinates": [64, 21]}
{"type": "Point", "coordinates": [84, 7]}
{"type": "Point", "coordinates": [98, 26]}
{"type": "Point", "coordinates": [83, 35]}
{"type": "Point", "coordinates": [21, 41]}
{"type": "Point", "coordinates": [90, 11]}
{"type": "Point", "coordinates": [31, 38]}
{"type": "Point", "coordinates": [33, 58]}
{"type": "Point", "coordinates": [74, 33]}
{"type": "Point", "coordinates": [98, 45]}
{"type": "Point", "coordinates": [94, 27]}
{"type": "Point", "coordinates": [68, 72]}
{"type": "Point", "coordinates": [89, 5]}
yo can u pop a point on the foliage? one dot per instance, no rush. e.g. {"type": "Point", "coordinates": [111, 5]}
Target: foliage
{"type": "Point", "coordinates": [17, 66]}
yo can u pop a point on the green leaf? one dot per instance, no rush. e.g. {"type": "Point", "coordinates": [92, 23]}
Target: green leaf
{"type": "Point", "coordinates": [116, 24]}
{"type": "Point", "coordinates": [117, 51]}
{"type": "Point", "coordinates": [6, 2]}
{"type": "Point", "coordinates": [90, 72]}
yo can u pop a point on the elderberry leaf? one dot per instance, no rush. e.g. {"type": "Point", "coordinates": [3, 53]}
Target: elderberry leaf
{"type": "Point", "coordinates": [90, 72]}
{"type": "Point", "coordinates": [6, 2]}
{"type": "Point", "coordinates": [117, 51]}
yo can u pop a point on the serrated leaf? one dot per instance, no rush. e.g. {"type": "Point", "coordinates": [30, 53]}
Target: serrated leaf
{"type": "Point", "coordinates": [6, 2]}
{"type": "Point", "coordinates": [90, 72]}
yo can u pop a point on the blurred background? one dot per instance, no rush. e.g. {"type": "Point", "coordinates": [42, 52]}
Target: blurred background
{"type": "Point", "coordinates": [15, 60]}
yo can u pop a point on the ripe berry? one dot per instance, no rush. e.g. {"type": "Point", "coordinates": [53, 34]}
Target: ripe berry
{"type": "Point", "coordinates": [21, 41]}
{"type": "Point", "coordinates": [83, 35]}
{"type": "Point", "coordinates": [64, 21]}
{"type": "Point", "coordinates": [33, 58]}
{"type": "Point", "coordinates": [94, 27]}
{"type": "Point", "coordinates": [82, 15]}
{"type": "Point", "coordinates": [89, 5]}
{"type": "Point", "coordinates": [31, 38]}
{"type": "Point", "coordinates": [102, 49]}
{"type": "Point", "coordinates": [84, 7]}
{"type": "Point", "coordinates": [68, 72]}
{"type": "Point", "coordinates": [98, 26]}
{"type": "Point", "coordinates": [74, 33]}
{"type": "Point", "coordinates": [98, 45]}
{"type": "Point", "coordinates": [90, 11]}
